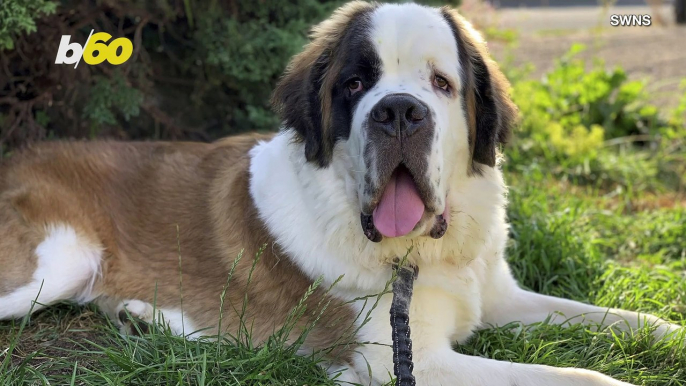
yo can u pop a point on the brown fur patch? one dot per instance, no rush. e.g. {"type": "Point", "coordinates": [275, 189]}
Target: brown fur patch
{"type": "Point", "coordinates": [172, 218]}
{"type": "Point", "coordinates": [477, 65]}
{"type": "Point", "coordinates": [313, 72]}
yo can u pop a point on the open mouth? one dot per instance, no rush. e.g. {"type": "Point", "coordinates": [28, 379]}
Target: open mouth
{"type": "Point", "coordinates": [399, 210]}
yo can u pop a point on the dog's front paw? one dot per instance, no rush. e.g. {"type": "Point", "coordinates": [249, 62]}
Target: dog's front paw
{"type": "Point", "coordinates": [536, 375]}
{"type": "Point", "coordinates": [134, 317]}
{"type": "Point", "coordinates": [591, 378]}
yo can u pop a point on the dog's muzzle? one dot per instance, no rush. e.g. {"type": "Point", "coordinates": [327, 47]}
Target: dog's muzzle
{"type": "Point", "coordinates": [400, 134]}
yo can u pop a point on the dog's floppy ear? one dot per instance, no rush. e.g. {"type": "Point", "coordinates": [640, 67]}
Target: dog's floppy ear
{"type": "Point", "coordinates": [297, 101]}
{"type": "Point", "coordinates": [302, 97]}
{"type": "Point", "coordinates": [491, 114]}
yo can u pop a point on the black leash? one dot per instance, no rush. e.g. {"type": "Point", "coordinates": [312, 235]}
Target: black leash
{"type": "Point", "coordinates": [400, 324]}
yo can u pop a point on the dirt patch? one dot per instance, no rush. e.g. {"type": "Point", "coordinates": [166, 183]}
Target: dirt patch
{"type": "Point", "coordinates": [55, 333]}
{"type": "Point", "coordinates": [655, 53]}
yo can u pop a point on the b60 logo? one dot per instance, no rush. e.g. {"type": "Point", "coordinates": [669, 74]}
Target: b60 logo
{"type": "Point", "coordinates": [95, 51]}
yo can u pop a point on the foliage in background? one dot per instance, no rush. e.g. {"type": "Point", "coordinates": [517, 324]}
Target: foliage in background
{"type": "Point", "coordinates": [579, 119]}
{"type": "Point", "coordinates": [17, 16]}
{"type": "Point", "coordinates": [200, 69]}
{"type": "Point", "coordinates": [111, 93]}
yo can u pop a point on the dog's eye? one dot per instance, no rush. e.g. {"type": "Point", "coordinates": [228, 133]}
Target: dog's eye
{"type": "Point", "coordinates": [441, 82]}
{"type": "Point", "coordinates": [355, 85]}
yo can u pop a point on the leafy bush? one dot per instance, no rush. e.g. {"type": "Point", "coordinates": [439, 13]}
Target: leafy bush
{"type": "Point", "coordinates": [18, 16]}
{"type": "Point", "coordinates": [200, 70]}
{"type": "Point", "coordinates": [574, 119]}
{"type": "Point", "coordinates": [108, 93]}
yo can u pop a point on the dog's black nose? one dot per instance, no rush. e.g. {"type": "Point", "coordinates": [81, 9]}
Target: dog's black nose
{"type": "Point", "coordinates": [399, 114]}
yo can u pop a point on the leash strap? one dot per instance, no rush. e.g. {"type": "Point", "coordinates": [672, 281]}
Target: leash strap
{"type": "Point", "coordinates": [400, 324]}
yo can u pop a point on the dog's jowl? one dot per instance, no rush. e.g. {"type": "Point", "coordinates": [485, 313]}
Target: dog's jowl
{"type": "Point", "coordinates": [393, 116]}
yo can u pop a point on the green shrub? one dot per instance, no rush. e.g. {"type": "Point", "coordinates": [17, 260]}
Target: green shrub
{"type": "Point", "coordinates": [18, 16]}
{"type": "Point", "coordinates": [109, 93]}
{"type": "Point", "coordinates": [200, 70]}
{"type": "Point", "coordinates": [571, 110]}
{"type": "Point", "coordinates": [592, 124]}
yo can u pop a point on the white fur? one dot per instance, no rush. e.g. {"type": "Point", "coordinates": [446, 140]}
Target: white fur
{"type": "Point", "coordinates": [464, 281]}
{"type": "Point", "coordinates": [400, 35]}
{"type": "Point", "coordinates": [174, 319]}
{"type": "Point", "coordinates": [68, 265]}
{"type": "Point", "coordinates": [137, 309]}
{"type": "Point", "coordinates": [343, 374]}
{"type": "Point", "coordinates": [178, 323]}
{"type": "Point", "coordinates": [454, 294]}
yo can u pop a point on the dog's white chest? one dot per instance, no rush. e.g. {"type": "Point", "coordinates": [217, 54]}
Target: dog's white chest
{"type": "Point", "coordinates": [448, 299]}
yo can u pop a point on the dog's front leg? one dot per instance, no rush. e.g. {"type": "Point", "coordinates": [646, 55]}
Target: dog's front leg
{"type": "Point", "coordinates": [433, 323]}
{"type": "Point", "coordinates": [445, 367]}
{"type": "Point", "coordinates": [505, 302]}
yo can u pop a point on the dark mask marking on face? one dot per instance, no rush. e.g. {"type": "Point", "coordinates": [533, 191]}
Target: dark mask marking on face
{"type": "Point", "coordinates": [313, 97]}
{"type": "Point", "coordinates": [490, 111]}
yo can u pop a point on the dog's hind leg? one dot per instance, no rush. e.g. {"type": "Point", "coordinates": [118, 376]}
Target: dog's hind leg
{"type": "Point", "coordinates": [134, 317]}
{"type": "Point", "coordinates": [39, 267]}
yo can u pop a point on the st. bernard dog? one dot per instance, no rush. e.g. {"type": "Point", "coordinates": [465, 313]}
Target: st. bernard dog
{"type": "Point", "coordinates": [392, 118]}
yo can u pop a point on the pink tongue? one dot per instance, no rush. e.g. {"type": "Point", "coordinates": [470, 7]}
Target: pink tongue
{"type": "Point", "coordinates": [400, 208]}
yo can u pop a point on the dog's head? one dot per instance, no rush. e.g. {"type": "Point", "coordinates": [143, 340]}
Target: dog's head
{"type": "Point", "coordinates": [406, 98]}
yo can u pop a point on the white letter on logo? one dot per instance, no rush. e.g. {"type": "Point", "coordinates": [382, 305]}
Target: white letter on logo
{"type": "Point", "coordinates": [613, 20]}
{"type": "Point", "coordinates": [65, 47]}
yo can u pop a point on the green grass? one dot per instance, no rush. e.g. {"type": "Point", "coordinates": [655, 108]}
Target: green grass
{"type": "Point", "coordinates": [586, 246]}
